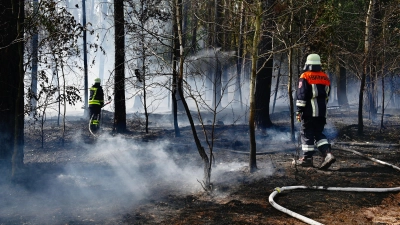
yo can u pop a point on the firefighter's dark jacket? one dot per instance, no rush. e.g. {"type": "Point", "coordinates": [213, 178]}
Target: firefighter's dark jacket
{"type": "Point", "coordinates": [96, 97]}
{"type": "Point", "coordinates": [313, 94]}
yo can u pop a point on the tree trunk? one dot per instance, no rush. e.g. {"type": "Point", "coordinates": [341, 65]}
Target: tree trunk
{"type": "Point", "coordinates": [277, 83]}
{"type": "Point", "coordinates": [85, 67]}
{"type": "Point", "coordinates": [193, 45]}
{"type": "Point", "coordinates": [217, 81]}
{"type": "Point", "coordinates": [35, 43]}
{"type": "Point", "coordinates": [177, 105]}
{"type": "Point", "coordinates": [383, 70]}
{"type": "Point", "coordinates": [290, 78]}
{"type": "Point", "coordinates": [174, 101]}
{"type": "Point", "coordinates": [367, 40]}
{"type": "Point", "coordinates": [56, 82]}
{"type": "Point", "coordinates": [290, 91]}
{"type": "Point", "coordinates": [18, 151]}
{"type": "Point", "coordinates": [383, 101]}
{"type": "Point", "coordinates": [342, 87]}
{"type": "Point", "coordinates": [64, 101]}
{"type": "Point", "coordinates": [11, 88]}
{"type": "Point", "coordinates": [185, 8]}
{"type": "Point", "coordinates": [119, 83]}
{"type": "Point", "coordinates": [263, 85]}
{"type": "Point", "coordinates": [175, 55]}
{"type": "Point", "coordinates": [209, 43]}
{"type": "Point", "coordinates": [252, 113]}
{"type": "Point", "coordinates": [207, 163]}
{"type": "Point", "coordinates": [264, 77]}
{"type": "Point", "coordinates": [142, 60]}
{"type": "Point", "coordinates": [239, 63]}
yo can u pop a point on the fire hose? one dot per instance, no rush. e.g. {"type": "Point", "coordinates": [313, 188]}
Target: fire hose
{"type": "Point", "coordinates": [353, 189]}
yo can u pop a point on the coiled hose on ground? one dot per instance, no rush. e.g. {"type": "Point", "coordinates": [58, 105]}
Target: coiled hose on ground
{"type": "Point", "coordinates": [353, 189]}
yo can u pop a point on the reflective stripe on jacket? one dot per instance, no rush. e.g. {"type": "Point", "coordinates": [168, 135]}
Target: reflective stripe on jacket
{"type": "Point", "coordinates": [96, 96]}
{"type": "Point", "coordinates": [313, 94]}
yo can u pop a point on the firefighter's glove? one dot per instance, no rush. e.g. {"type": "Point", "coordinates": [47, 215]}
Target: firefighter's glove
{"type": "Point", "coordinates": [298, 116]}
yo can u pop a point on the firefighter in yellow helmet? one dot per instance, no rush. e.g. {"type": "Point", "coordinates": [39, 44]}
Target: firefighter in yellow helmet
{"type": "Point", "coordinates": [312, 99]}
{"type": "Point", "coordinates": [96, 102]}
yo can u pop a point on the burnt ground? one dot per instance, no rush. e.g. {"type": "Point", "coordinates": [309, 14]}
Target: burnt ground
{"type": "Point", "coordinates": [50, 191]}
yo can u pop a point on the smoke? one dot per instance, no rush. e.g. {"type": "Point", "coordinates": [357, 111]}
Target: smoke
{"type": "Point", "coordinates": [95, 182]}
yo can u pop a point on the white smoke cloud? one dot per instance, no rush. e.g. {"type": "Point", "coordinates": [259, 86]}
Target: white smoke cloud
{"type": "Point", "coordinates": [95, 182]}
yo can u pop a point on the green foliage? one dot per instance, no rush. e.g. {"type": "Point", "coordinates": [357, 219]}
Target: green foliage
{"type": "Point", "coordinates": [59, 33]}
{"type": "Point", "coordinates": [72, 95]}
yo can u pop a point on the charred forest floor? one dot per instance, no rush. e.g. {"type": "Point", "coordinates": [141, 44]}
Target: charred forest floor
{"type": "Point", "coordinates": [239, 197]}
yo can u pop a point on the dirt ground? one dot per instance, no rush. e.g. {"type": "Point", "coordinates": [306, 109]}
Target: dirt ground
{"type": "Point", "coordinates": [239, 197]}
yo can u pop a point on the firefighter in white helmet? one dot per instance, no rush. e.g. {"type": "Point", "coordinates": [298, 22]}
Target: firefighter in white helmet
{"type": "Point", "coordinates": [312, 99]}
